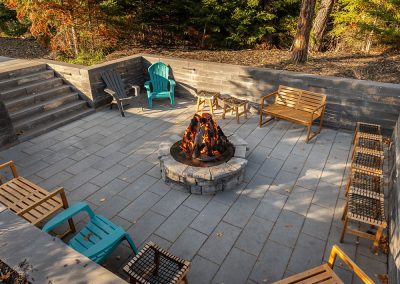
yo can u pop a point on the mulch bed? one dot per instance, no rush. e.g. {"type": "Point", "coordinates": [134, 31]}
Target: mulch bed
{"type": "Point", "coordinates": [376, 66]}
{"type": "Point", "coordinates": [10, 276]}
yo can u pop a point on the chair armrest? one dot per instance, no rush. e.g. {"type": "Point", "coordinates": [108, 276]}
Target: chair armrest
{"type": "Point", "coordinates": [12, 166]}
{"type": "Point", "coordinates": [109, 91]}
{"type": "Point", "coordinates": [147, 85]}
{"type": "Point", "coordinates": [107, 242]}
{"type": "Point", "coordinates": [336, 251]}
{"type": "Point", "coordinates": [67, 214]}
{"type": "Point", "coordinates": [262, 102]}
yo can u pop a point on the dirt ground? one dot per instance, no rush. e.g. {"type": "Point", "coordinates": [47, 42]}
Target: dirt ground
{"type": "Point", "coordinates": [376, 66]}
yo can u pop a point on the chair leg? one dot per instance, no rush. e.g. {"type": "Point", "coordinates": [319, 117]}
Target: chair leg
{"type": "Point", "coordinates": [345, 211]}
{"type": "Point", "coordinates": [198, 104]}
{"type": "Point", "coordinates": [237, 114]}
{"type": "Point", "coordinates": [150, 103]}
{"type": "Point", "coordinates": [344, 230]}
{"type": "Point", "coordinates": [246, 109]}
{"type": "Point", "coordinates": [261, 116]}
{"type": "Point", "coordinates": [378, 236]}
{"type": "Point", "coordinates": [131, 243]}
{"type": "Point", "coordinates": [172, 99]}
{"type": "Point", "coordinates": [210, 104]}
{"type": "Point", "coordinates": [65, 206]}
{"type": "Point", "coordinates": [224, 111]}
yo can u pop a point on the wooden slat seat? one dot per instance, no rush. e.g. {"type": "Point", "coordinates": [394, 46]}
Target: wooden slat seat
{"type": "Point", "coordinates": [29, 200]}
{"type": "Point", "coordinates": [295, 105]}
{"type": "Point", "coordinates": [324, 273]}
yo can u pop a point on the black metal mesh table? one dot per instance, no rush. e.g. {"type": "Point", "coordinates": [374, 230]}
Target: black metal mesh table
{"type": "Point", "coordinates": [153, 265]}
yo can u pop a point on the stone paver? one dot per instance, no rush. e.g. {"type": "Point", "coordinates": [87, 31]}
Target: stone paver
{"type": "Point", "coordinates": [282, 219]}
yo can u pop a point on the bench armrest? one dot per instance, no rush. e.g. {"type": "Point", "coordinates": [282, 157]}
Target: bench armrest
{"type": "Point", "coordinates": [12, 166]}
{"type": "Point", "coordinates": [266, 97]}
{"type": "Point", "coordinates": [317, 109]}
{"type": "Point", "coordinates": [336, 251]}
{"type": "Point", "coordinates": [59, 191]}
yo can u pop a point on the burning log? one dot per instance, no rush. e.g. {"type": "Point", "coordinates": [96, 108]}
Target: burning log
{"type": "Point", "coordinates": [203, 137]}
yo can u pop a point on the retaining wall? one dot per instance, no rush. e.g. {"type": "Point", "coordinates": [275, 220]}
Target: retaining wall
{"type": "Point", "coordinates": [349, 100]}
{"type": "Point", "coordinates": [393, 204]}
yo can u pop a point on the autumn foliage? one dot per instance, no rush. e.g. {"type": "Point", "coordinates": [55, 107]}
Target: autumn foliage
{"type": "Point", "coordinates": [69, 26]}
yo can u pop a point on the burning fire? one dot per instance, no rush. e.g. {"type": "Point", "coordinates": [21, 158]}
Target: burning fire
{"type": "Point", "coordinates": [203, 137]}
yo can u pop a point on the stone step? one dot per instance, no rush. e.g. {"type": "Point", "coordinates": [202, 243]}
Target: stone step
{"type": "Point", "coordinates": [37, 120]}
{"type": "Point", "coordinates": [16, 104]}
{"type": "Point", "coordinates": [30, 89]}
{"type": "Point", "coordinates": [44, 106]}
{"type": "Point", "coordinates": [19, 69]}
{"type": "Point", "coordinates": [25, 79]}
{"type": "Point", "coordinates": [53, 124]}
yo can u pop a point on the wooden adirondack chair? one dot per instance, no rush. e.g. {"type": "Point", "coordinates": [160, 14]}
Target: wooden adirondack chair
{"type": "Point", "coordinates": [159, 85]}
{"type": "Point", "coordinates": [115, 88]}
{"type": "Point", "coordinates": [98, 239]}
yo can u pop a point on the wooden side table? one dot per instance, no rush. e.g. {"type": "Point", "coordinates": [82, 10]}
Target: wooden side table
{"type": "Point", "coordinates": [233, 104]}
{"type": "Point", "coordinates": [155, 265]}
{"type": "Point", "coordinates": [211, 98]}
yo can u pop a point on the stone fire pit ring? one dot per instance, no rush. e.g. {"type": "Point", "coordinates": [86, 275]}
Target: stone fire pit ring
{"type": "Point", "coordinates": [203, 180]}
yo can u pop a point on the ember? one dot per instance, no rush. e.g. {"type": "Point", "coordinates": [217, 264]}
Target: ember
{"type": "Point", "coordinates": [203, 138]}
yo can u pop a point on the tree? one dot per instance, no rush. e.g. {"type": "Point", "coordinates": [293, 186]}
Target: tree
{"type": "Point", "coordinates": [302, 37]}
{"type": "Point", "coordinates": [320, 23]}
{"type": "Point", "coordinates": [360, 23]}
{"type": "Point", "coordinates": [66, 25]}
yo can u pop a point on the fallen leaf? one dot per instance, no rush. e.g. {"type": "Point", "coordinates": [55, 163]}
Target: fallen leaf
{"type": "Point", "coordinates": [102, 200]}
{"type": "Point", "coordinates": [87, 237]}
{"type": "Point", "coordinates": [220, 234]}
{"type": "Point", "coordinates": [287, 190]}
{"type": "Point", "coordinates": [383, 278]}
{"type": "Point", "coordinates": [288, 226]}
{"type": "Point", "coordinates": [265, 280]}
{"type": "Point", "coordinates": [5, 276]}
{"type": "Point", "coordinates": [118, 257]}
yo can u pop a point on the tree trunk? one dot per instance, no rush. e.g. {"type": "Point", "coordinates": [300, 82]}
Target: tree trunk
{"type": "Point", "coordinates": [320, 23]}
{"type": "Point", "coordinates": [300, 43]}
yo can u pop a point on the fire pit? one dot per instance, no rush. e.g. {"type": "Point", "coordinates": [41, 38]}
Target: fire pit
{"type": "Point", "coordinates": [205, 160]}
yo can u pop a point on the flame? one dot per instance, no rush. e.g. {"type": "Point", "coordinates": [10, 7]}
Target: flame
{"type": "Point", "coordinates": [203, 137]}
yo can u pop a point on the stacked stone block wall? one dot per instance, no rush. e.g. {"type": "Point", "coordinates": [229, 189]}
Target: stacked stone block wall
{"type": "Point", "coordinates": [349, 100]}
{"type": "Point", "coordinates": [394, 209]}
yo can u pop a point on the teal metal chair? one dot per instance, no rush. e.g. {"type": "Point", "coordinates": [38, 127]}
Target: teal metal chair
{"type": "Point", "coordinates": [159, 85]}
{"type": "Point", "coordinates": [97, 239]}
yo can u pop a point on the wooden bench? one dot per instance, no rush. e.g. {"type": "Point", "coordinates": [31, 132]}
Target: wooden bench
{"type": "Point", "coordinates": [295, 105]}
{"type": "Point", "coordinates": [30, 201]}
{"type": "Point", "coordinates": [325, 274]}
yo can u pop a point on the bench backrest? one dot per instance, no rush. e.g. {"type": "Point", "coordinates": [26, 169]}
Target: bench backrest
{"type": "Point", "coordinates": [299, 99]}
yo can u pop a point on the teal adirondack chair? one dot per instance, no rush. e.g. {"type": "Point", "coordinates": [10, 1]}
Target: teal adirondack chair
{"type": "Point", "coordinates": [97, 239]}
{"type": "Point", "coordinates": [159, 85]}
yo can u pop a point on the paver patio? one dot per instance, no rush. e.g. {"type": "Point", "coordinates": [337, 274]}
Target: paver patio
{"type": "Point", "coordinates": [283, 219]}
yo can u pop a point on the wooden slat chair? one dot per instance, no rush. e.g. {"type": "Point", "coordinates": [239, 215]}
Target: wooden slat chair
{"type": "Point", "coordinates": [30, 201]}
{"type": "Point", "coordinates": [159, 86]}
{"type": "Point", "coordinates": [325, 274]}
{"type": "Point", "coordinates": [365, 208]}
{"type": "Point", "coordinates": [295, 105]}
{"type": "Point", "coordinates": [115, 88]}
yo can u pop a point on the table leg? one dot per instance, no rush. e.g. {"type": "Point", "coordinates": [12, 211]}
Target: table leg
{"type": "Point", "coordinates": [237, 114]}
{"type": "Point", "coordinates": [210, 104]}
{"type": "Point", "coordinates": [198, 104]}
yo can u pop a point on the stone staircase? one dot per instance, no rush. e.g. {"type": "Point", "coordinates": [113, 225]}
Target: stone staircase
{"type": "Point", "coordinates": [37, 101]}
